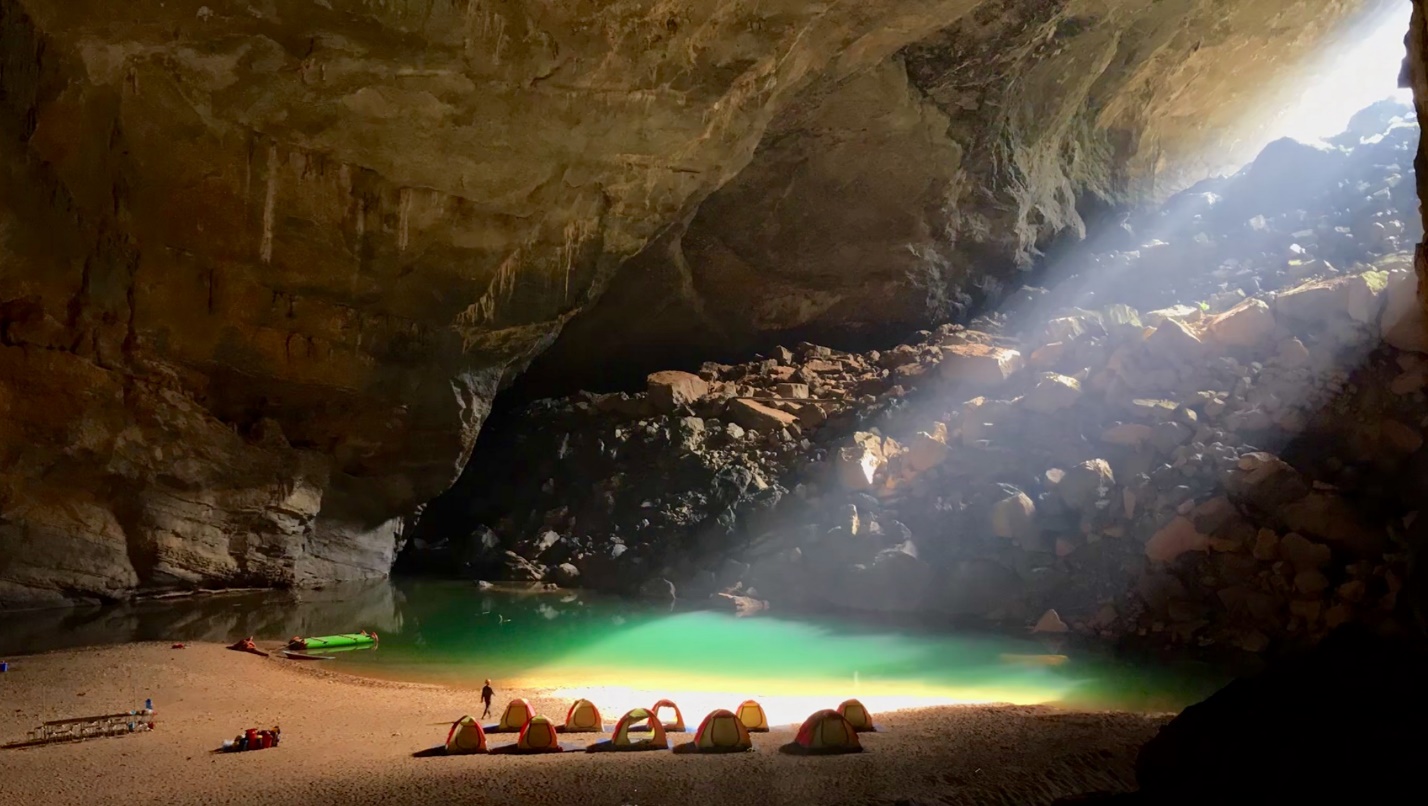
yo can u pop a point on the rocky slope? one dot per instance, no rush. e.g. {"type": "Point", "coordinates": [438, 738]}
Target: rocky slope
{"type": "Point", "coordinates": [266, 264]}
{"type": "Point", "coordinates": [1209, 433]}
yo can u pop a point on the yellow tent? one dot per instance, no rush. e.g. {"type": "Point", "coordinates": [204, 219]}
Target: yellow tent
{"type": "Point", "coordinates": [583, 717]}
{"type": "Point", "coordinates": [515, 717]}
{"type": "Point", "coordinates": [753, 716]}
{"type": "Point", "coordinates": [538, 736]}
{"type": "Point", "coordinates": [827, 732]}
{"type": "Point", "coordinates": [857, 716]}
{"type": "Point", "coordinates": [678, 724]}
{"type": "Point", "coordinates": [465, 736]}
{"type": "Point", "coordinates": [722, 732]}
{"type": "Point", "coordinates": [656, 740]}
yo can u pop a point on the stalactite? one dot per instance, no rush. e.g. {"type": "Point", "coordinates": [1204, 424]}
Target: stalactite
{"type": "Point", "coordinates": [270, 201]}
{"type": "Point", "coordinates": [404, 213]}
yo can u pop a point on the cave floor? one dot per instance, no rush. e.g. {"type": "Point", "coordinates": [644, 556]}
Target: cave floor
{"type": "Point", "coordinates": [352, 740]}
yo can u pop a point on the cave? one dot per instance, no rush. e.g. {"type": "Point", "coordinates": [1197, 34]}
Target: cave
{"type": "Point", "coordinates": [1013, 335]}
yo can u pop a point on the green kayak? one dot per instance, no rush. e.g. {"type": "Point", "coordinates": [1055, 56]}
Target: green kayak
{"type": "Point", "coordinates": [333, 641]}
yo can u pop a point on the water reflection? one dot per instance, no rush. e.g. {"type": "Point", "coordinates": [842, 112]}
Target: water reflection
{"type": "Point", "coordinates": [452, 632]}
{"type": "Point", "coordinates": [377, 605]}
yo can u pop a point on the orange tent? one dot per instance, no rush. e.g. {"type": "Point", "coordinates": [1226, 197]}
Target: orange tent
{"type": "Point", "coordinates": [828, 732]}
{"type": "Point", "coordinates": [753, 716]}
{"type": "Point", "coordinates": [583, 717]}
{"type": "Point", "coordinates": [857, 716]}
{"type": "Point", "coordinates": [518, 712]}
{"type": "Point", "coordinates": [538, 736]}
{"type": "Point", "coordinates": [656, 741]}
{"type": "Point", "coordinates": [678, 724]}
{"type": "Point", "coordinates": [722, 732]}
{"type": "Point", "coordinates": [465, 736]}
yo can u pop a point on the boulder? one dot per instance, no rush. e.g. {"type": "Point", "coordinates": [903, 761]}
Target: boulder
{"type": "Point", "coordinates": [897, 580]}
{"type": "Point", "coordinates": [926, 449]}
{"type": "Point", "coordinates": [740, 606]}
{"type": "Point", "coordinates": [1050, 622]}
{"type": "Point", "coordinates": [480, 551]}
{"type": "Point", "coordinates": [981, 418]}
{"type": "Point", "coordinates": [1402, 324]}
{"type": "Point", "coordinates": [1303, 553]}
{"type": "Point", "coordinates": [857, 465]}
{"type": "Point", "coordinates": [1292, 353]}
{"type": "Point", "coordinates": [796, 391]}
{"type": "Point", "coordinates": [1317, 301]}
{"type": "Point", "coordinates": [1174, 539]}
{"type": "Point", "coordinates": [1184, 313]}
{"type": "Point", "coordinates": [519, 569]}
{"type": "Point", "coordinates": [671, 389]}
{"type": "Point", "coordinates": [1266, 480]}
{"type": "Point", "coordinates": [1052, 393]}
{"type": "Point", "coordinates": [1014, 517]}
{"type": "Point", "coordinates": [1399, 437]}
{"type": "Point", "coordinates": [1086, 483]}
{"type": "Point", "coordinates": [979, 366]}
{"type": "Point", "coordinates": [1064, 328]}
{"type": "Point", "coordinates": [1168, 436]}
{"type": "Point", "coordinates": [756, 416]}
{"type": "Point", "coordinates": [658, 589]}
{"type": "Point", "coordinates": [1245, 325]}
{"type": "Point", "coordinates": [1266, 545]}
{"type": "Point", "coordinates": [1048, 356]}
{"type": "Point", "coordinates": [1130, 435]}
{"type": "Point", "coordinates": [980, 587]}
{"type": "Point", "coordinates": [1173, 341]}
{"type": "Point", "coordinates": [1366, 296]}
{"type": "Point", "coordinates": [567, 575]}
{"type": "Point", "coordinates": [1334, 521]}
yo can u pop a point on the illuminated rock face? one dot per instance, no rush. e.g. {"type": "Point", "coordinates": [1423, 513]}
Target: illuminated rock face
{"type": "Point", "coordinates": [901, 196]}
{"type": "Point", "coordinates": [266, 264]}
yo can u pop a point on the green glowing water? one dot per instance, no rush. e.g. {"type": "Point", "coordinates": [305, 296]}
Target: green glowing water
{"type": "Point", "coordinates": [454, 633]}
{"type": "Point", "coordinates": [462, 636]}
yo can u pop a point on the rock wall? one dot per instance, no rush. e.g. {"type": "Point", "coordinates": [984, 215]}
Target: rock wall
{"type": "Point", "coordinates": [265, 264]}
{"type": "Point", "coordinates": [909, 194]}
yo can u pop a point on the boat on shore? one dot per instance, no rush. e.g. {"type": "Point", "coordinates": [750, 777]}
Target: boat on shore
{"type": "Point", "coordinates": [344, 640]}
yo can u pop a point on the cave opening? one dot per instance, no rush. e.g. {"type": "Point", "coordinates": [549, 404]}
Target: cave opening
{"type": "Point", "coordinates": [1349, 92]}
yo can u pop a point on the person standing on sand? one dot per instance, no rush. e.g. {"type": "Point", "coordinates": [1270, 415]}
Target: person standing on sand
{"type": "Point", "coordinates": [486, 694]}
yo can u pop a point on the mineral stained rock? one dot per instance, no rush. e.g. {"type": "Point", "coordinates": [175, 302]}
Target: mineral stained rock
{"type": "Point", "coordinates": [266, 264]}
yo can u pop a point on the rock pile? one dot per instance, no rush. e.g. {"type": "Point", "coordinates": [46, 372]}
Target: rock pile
{"type": "Point", "coordinates": [1199, 440]}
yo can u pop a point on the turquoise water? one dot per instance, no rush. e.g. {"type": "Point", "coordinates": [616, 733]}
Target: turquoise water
{"type": "Point", "coordinates": [454, 633]}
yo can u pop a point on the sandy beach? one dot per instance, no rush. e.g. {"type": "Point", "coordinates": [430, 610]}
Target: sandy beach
{"type": "Point", "coordinates": [351, 740]}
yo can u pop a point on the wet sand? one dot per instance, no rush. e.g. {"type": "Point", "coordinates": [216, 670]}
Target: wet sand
{"type": "Point", "coordinates": [351, 740]}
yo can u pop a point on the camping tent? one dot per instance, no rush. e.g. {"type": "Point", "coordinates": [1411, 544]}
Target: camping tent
{"type": "Point", "coordinates": [583, 717]}
{"type": "Point", "coordinates": [753, 716]}
{"type": "Point", "coordinates": [722, 732]}
{"type": "Point", "coordinates": [678, 724]}
{"type": "Point", "coordinates": [656, 741]}
{"type": "Point", "coordinates": [465, 736]}
{"type": "Point", "coordinates": [538, 736]}
{"type": "Point", "coordinates": [828, 732]}
{"type": "Point", "coordinates": [857, 715]}
{"type": "Point", "coordinates": [515, 717]}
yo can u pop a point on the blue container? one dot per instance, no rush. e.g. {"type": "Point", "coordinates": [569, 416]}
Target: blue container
{"type": "Point", "coordinates": [148, 705]}
{"type": "Point", "coordinates": [4, 667]}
